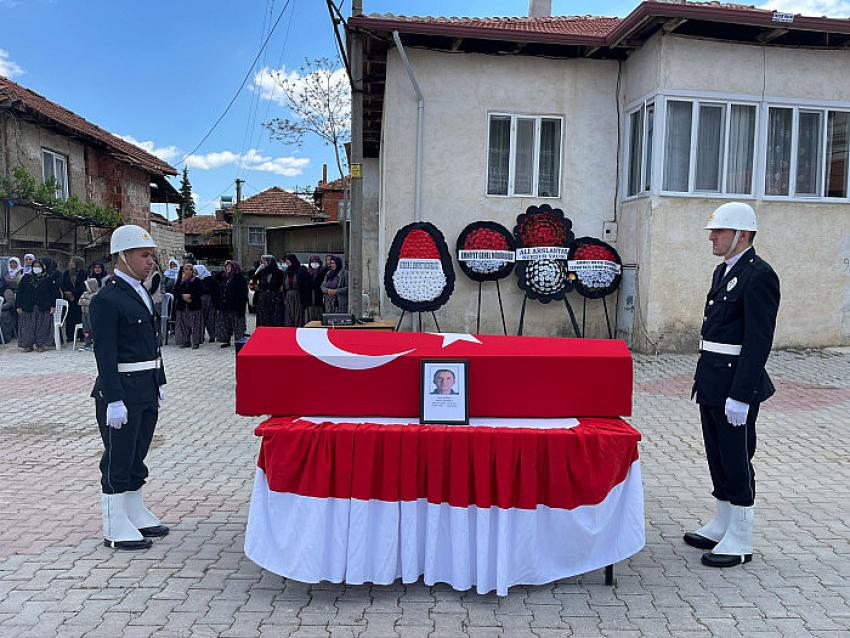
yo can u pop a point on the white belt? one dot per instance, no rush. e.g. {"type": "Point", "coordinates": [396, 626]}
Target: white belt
{"type": "Point", "coordinates": [719, 348]}
{"type": "Point", "coordinates": [138, 366]}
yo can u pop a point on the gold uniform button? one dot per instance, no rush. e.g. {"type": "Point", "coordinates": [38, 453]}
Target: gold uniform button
{"type": "Point", "coordinates": [711, 303]}
{"type": "Point", "coordinates": [729, 364]}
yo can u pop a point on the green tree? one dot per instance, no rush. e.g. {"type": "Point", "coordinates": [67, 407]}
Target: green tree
{"type": "Point", "coordinates": [186, 208]}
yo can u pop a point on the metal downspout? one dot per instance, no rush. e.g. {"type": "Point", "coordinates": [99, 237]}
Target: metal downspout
{"type": "Point", "coordinates": [420, 120]}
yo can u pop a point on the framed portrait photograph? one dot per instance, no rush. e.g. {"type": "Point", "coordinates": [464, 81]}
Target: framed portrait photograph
{"type": "Point", "coordinates": [443, 395]}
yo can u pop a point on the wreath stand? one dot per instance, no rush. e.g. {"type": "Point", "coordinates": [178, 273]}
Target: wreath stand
{"type": "Point", "coordinates": [404, 312]}
{"type": "Point", "coordinates": [607, 318]}
{"type": "Point", "coordinates": [578, 333]}
{"type": "Point", "coordinates": [501, 309]}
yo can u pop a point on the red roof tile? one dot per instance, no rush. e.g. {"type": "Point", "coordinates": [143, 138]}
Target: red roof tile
{"type": "Point", "coordinates": [339, 184]}
{"type": "Point", "coordinates": [15, 96]}
{"type": "Point", "coordinates": [276, 201]}
{"type": "Point", "coordinates": [200, 225]}
{"type": "Point", "coordinates": [555, 25]}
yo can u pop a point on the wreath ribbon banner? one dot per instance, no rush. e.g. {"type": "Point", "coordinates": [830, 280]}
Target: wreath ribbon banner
{"type": "Point", "coordinates": [537, 253]}
{"type": "Point", "coordinates": [581, 265]}
{"type": "Point", "coordinates": [507, 256]}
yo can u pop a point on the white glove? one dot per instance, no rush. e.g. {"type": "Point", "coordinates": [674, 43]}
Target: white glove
{"type": "Point", "coordinates": [736, 412]}
{"type": "Point", "coordinates": [116, 414]}
{"type": "Point", "coordinates": [161, 395]}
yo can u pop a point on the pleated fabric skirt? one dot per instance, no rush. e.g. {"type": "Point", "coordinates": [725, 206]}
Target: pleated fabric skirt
{"type": "Point", "coordinates": [190, 327]}
{"type": "Point", "coordinates": [35, 329]}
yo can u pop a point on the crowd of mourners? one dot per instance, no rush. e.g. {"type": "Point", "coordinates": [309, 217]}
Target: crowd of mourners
{"type": "Point", "coordinates": [206, 306]}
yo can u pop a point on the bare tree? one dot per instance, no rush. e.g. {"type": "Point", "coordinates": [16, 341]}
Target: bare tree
{"type": "Point", "coordinates": [318, 97]}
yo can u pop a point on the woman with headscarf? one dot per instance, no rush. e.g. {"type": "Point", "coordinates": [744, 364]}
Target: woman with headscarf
{"type": "Point", "coordinates": [13, 274]}
{"type": "Point", "coordinates": [294, 292]}
{"type": "Point", "coordinates": [73, 287]}
{"type": "Point", "coordinates": [8, 316]}
{"type": "Point", "coordinates": [35, 303]}
{"type": "Point", "coordinates": [98, 272]}
{"type": "Point", "coordinates": [269, 283]}
{"type": "Point", "coordinates": [335, 287]}
{"type": "Point", "coordinates": [315, 305]}
{"type": "Point", "coordinates": [153, 284]}
{"type": "Point", "coordinates": [170, 275]}
{"type": "Point", "coordinates": [209, 291]}
{"type": "Point", "coordinates": [232, 299]}
{"type": "Point", "coordinates": [28, 259]}
{"type": "Point", "coordinates": [190, 317]}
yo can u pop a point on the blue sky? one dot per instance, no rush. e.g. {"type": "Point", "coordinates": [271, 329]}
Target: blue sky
{"type": "Point", "coordinates": [162, 72]}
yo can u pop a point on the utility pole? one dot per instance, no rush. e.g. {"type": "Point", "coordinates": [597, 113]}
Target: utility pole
{"type": "Point", "coordinates": [355, 268]}
{"type": "Point", "coordinates": [237, 221]}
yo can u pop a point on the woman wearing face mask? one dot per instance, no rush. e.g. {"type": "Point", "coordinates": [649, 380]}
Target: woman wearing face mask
{"type": "Point", "coordinates": [294, 292]}
{"type": "Point", "coordinates": [190, 315]}
{"type": "Point", "coordinates": [269, 282]}
{"type": "Point", "coordinates": [315, 303]}
{"type": "Point", "coordinates": [35, 303]}
{"type": "Point", "coordinates": [335, 287]}
{"type": "Point", "coordinates": [232, 300]}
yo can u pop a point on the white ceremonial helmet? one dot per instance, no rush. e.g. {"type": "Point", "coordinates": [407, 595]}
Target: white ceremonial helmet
{"type": "Point", "coordinates": [734, 216]}
{"type": "Point", "coordinates": [130, 236]}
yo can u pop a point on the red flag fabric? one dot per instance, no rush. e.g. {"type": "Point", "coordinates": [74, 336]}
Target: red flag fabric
{"type": "Point", "coordinates": [308, 372]}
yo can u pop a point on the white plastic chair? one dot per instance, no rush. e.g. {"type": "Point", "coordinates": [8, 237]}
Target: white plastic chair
{"type": "Point", "coordinates": [59, 316]}
{"type": "Point", "coordinates": [77, 330]}
{"type": "Point", "coordinates": [165, 315]}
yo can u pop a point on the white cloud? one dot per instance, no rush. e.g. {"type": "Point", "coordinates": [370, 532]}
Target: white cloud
{"type": "Point", "coordinates": [165, 153]}
{"type": "Point", "coordinates": [270, 82]}
{"type": "Point", "coordinates": [8, 67]}
{"type": "Point", "coordinates": [252, 159]}
{"type": "Point", "coordinates": [830, 8]}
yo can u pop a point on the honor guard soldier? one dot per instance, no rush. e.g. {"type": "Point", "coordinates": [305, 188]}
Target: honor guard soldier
{"type": "Point", "coordinates": [129, 389]}
{"type": "Point", "coordinates": [731, 381]}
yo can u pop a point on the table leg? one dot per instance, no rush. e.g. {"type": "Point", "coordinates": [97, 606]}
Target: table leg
{"type": "Point", "coordinates": [609, 575]}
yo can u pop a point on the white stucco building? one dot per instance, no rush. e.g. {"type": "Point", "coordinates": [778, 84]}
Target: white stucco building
{"type": "Point", "coordinates": [637, 128]}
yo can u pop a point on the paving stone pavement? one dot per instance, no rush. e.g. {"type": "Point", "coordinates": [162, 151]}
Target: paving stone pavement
{"type": "Point", "coordinates": [56, 579]}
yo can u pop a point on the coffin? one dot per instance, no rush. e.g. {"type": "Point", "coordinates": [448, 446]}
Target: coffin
{"type": "Point", "coordinates": [312, 372]}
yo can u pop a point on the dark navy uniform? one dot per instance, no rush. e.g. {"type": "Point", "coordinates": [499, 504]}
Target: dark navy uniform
{"type": "Point", "coordinates": [740, 314]}
{"type": "Point", "coordinates": [125, 332]}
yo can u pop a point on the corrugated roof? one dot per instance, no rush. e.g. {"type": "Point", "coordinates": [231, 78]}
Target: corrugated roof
{"type": "Point", "coordinates": [277, 201]}
{"type": "Point", "coordinates": [15, 96]}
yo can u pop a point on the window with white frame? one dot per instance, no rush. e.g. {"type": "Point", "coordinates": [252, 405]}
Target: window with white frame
{"type": "Point", "coordinates": [709, 147]}
{"type": "Point", "coordinates": [524, 155]}
{"type": "Point", "coordinates": [641, 127]}
{"type": "Point", "coordinates": [256, 235]}
{"type": "Point", "coordinates": [807, 152]}
{"type": "Point", "coordinates": [55, 166]}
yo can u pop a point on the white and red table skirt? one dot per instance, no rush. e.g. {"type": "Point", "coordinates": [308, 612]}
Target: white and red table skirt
{"type": "Point", "coordinates": [498, 503]}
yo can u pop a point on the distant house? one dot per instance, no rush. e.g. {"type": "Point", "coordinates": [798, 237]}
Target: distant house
{"type": "Point", "coordinates": [637, 128]}
{"type": "Point", "coordinates": [272, 208]}
{"type": "Point", "coordinates": [329, 196]}
{"type": "Point", "coordinates": [87, 162]}
{"type": "Point", "coordinates": [169, 239]}
{"type": "Point", "coordinates": [207, 238]}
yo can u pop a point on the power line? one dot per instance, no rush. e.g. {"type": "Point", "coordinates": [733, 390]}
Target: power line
{"type": "Point", "coordinates": [241, 86]}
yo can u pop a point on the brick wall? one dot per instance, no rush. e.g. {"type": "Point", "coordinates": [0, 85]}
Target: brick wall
{"type": "Point", "coordinates": [113, 183]}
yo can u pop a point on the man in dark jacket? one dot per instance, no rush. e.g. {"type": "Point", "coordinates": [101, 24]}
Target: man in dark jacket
{"type": "Point", "coordinates": [731, 382]}
{"type": "Point", "coordinates": [129, 389]}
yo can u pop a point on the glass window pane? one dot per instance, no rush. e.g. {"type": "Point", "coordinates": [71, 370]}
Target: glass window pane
{"type": "Point", "coordinates": [524, 161]}
{"type": "Point", "coordinates": [778, 171]}
{"type": "Point", "coordinates": [650, 127]}
{"type": "Point", "coordinates": [739, 165]}
{"type": "Point", "coordinates": [677, 146]}
{"type": "Point", "coordinates": [61, 176]}
{"type": "Point", "coordinates": [837, 138]}
{"type": "Point", "coordinates": [635, 150]}
{"type": "Point", "coordinates": [47, 162]}
{"type": "Point", "coordinates": [809, 138]}
{"type": "Point", "coordinates": [710, 135]}
{"type": "Point", "coordinates": [498, 156]}
{"type": "Point", "coordinates": [550, 158]}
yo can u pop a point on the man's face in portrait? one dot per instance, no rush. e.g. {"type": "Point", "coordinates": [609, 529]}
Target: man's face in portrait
{"type": "Point", "coordinates": [444, 380]}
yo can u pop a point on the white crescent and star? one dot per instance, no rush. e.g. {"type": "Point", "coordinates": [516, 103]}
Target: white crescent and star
{"type": "Point", "coordinates": [315, 342]}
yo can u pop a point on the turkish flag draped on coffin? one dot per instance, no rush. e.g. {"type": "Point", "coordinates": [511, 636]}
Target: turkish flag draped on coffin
{"type": "Point", "coordinates": [365, 373]}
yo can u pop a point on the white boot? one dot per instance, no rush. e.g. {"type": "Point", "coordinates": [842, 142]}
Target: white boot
{"type": "Point", "coordinates": [738, 539]}
{"type": "Point", "coordinates": [139, 515]}
{"type": "Point", "coordinates": [736, 546]}
{"type": "Point", "coordinates": [116, 525]}
{"type": "Point", "coordinates": [715, 529]}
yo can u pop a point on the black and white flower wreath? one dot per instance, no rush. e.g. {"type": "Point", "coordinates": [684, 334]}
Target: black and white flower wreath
{"type": "Point", "coordinates": [419, 275]}
{"type": "Point", "coordinates": [543, 279]}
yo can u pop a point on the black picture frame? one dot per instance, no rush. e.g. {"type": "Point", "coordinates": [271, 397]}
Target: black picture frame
{"type": "Point", "coordinates": [440, 411]}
